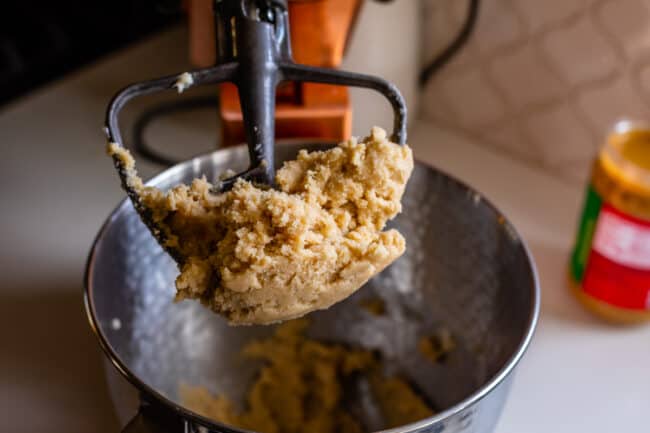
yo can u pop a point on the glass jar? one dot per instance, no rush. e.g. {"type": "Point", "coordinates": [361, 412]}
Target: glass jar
{"type": "Point", "coordinates": [610, 265]}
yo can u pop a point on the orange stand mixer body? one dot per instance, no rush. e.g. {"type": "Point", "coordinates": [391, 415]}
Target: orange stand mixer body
{"type": "Point", "coordinates": [320, 30]}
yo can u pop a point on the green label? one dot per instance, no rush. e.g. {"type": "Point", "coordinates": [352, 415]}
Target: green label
{"type": "Point", "coordinates": [582, 249]}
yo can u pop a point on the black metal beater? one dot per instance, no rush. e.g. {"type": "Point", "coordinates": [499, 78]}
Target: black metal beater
{"type": "Point", "coordinates": [254, 53]}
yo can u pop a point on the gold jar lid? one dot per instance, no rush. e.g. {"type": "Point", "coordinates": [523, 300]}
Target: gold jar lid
{"type": "Point", "coordinates": [622, 170]}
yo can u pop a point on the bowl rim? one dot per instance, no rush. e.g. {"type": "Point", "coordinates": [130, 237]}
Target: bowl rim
{"type": "Point", "coordinates": [188, 415]}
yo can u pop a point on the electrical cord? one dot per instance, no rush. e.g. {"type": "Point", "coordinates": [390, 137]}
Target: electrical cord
{"type": "Point", "coordinates": [452, 49]}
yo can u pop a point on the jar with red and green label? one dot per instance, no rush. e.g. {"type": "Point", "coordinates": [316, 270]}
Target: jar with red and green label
{"type": "Point", "coordinates": [610, 264]}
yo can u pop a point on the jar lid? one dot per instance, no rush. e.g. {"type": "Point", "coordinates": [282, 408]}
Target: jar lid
{"type": "Point", "coordinates": [627, 153]}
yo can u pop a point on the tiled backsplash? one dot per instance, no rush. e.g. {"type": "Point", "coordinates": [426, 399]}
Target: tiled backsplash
{"type": "Point", "coordinates": [542, 80]}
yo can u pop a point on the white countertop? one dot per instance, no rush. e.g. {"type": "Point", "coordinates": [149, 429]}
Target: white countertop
{"type": "Point", "coordinates": [57, 187]}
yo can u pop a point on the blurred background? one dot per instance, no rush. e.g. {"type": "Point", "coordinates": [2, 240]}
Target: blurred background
{"type": "Point", "coordinates": [512, 96]}
{"type": "Point", "coordinates": [41, 41]}
{"type": "Point", "coordinates": [532, 76]}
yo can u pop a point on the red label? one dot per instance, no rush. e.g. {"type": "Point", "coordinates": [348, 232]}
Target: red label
{"type": "Point", "coordinates": [618, 268]}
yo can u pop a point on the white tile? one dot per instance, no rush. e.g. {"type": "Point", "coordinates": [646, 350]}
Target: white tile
{"type": "Point", "coordinates": [559, 135]}
{"type": "Point", "coordinates": [497, 26]}
{"type": "Point", "coordinates": [524, 78]}
{"type": "Point", "coordinates": [606, 104]}
{"type": "Point", "coordinates": [544, 13]}
{"type": "Point", "coordinates": [580, 52]}
{"type": "Point", "coordinates": [468, 57]}
{"type": "Point", "coordinates": [628, 21]}
{"type": "Point", "coordinates": [471, 97]}
{"type": "Point", "coordinates": [435, 106]}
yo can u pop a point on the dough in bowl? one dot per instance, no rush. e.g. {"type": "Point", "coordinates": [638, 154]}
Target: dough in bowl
{"type": "Point", "coordinates": [258, 255]}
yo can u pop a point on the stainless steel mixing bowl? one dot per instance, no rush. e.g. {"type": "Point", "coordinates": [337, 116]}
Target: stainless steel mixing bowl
{"type": "Point", "coordinates": [465, 270]}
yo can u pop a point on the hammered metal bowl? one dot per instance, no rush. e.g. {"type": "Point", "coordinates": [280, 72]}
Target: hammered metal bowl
{"type": "Point", "coordinates": [465, 270]}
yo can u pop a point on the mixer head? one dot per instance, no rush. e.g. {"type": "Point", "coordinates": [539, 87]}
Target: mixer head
{"type": "Point", "coordinates": [254, 53]}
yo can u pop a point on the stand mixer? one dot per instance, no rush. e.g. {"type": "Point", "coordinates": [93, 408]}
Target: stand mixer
{"type": "Point", "coordinates": [465, 267]}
